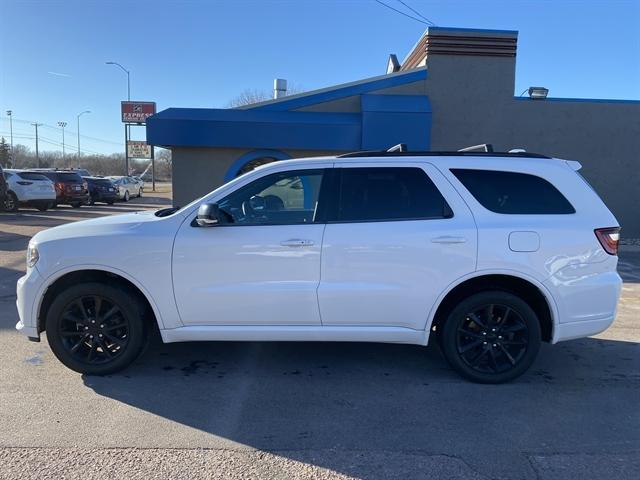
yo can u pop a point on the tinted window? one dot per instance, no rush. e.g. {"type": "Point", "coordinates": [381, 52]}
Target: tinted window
{"type": "Point", "coordinates": [513, 193]}
{"type": "Point", "coordinates": [396, 193]}
{"type": "Point", "coordinates": [32, 176]}
{"type": "Point", "coordinates": [278, 199]}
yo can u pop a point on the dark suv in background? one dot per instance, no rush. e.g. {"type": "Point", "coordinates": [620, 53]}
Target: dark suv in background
{"type": "Point", "coordinates": [71, 189]}
{"type": "Point", "coordinates": [101, 190]}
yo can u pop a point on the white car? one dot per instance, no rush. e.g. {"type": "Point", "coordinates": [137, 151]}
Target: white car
{"type": "Point", "coordinates": [487, 254]}
{"type": "Point", "coordinates": [28, 189]}
{"type": "Point", "coordinates": [127, 187]}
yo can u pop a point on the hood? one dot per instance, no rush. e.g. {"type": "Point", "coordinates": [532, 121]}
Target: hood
{"type": "Point", "coordinates": [108, 225]}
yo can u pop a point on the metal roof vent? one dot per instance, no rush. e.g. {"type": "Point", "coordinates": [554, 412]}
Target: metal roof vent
{"type": "Point", "coordinates": [279, 88]}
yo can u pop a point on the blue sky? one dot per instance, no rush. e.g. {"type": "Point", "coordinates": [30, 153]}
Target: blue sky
{"type": "Point", "coordinates": [203, 53]}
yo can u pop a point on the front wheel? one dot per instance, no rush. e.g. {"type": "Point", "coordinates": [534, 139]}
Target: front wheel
{"type": "Point", "coordinates": [126, 196]}
{"type": "Point", "coordinates": [491, 337]}
{"type": "Point", "coordinates": [95, 329]}
{"type": "Point", "coordinates": [11, 202]}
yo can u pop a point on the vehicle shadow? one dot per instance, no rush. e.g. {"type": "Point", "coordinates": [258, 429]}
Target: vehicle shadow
{"type": "Point", "coordinates": [346, 398]}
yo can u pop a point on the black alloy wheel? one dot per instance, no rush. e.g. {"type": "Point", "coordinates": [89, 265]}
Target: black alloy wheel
{"type": "Point", "coordinates": [94, 328]}
{"type": "Point", "coordinates": [491, 337]}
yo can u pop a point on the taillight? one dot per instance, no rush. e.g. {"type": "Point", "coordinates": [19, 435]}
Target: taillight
{"type": "Point", "coordinates": [85, 185]}
{"type": "Point", "coordinates": [59, 186]}
{"type": "Point", "coordinates": [609, 238]}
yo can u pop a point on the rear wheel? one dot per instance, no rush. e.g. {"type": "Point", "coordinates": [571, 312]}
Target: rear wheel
{"type": "Point", "coordinates": [43, 206]}
{"type": "Point", "coordinates": [140, 193]}
{"type": "Point", "coordinates": [11, 202]}
{"type": "Point", "coordinates": [76, 204]}
{"type": "Point", "coordinates": [491, 337]}
{"type": "Point", "coordinates": [95, 329]}
{"type": "Point", "coordinates": [91, 201]}
{"type": "Point", "coordinates": [126, 196]}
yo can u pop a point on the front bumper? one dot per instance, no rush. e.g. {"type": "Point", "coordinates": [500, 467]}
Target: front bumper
{"type": "Point", "coordinates": [26, 302]}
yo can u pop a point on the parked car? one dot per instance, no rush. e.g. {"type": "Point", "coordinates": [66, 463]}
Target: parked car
{"type": "Point", "coordinates": [127, 187]}
{"type": "Point", "coordinates": [70, 188]}
{"type": "Point", "coordinates": [101, 190]}
{"type": "Point", "coordinates": [28, 189]}
{"type": "Point", "coordinates": [3, 189]}
{"type": "Point", "coordinates": [486, 254]}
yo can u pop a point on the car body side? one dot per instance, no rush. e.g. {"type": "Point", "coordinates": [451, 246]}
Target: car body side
{"type": "Point", "coordinates": [576, 277]}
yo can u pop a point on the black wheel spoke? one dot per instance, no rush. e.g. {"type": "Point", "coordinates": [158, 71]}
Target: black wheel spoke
{"type": "Point", "coordinates": [469, 346]}
{"type": "Point", "coordinates": [91, 336]}
{"type": "Point", "coordinates": [492, 339]}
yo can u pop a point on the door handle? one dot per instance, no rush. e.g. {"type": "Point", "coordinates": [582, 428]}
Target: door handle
{"type": "Point", "coordinates": [296, 242]}
{"type": "Point", "coordinates": [448, 239]}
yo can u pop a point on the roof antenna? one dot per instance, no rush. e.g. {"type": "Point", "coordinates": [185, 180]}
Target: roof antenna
{"type": "Point", "coordinates": [401, 147]}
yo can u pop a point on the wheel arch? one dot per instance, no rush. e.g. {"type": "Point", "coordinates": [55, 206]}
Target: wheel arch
{"type": "Point", "coordinates": [93, 273]}
{"type": "Point", "coordinates": [527, 288]}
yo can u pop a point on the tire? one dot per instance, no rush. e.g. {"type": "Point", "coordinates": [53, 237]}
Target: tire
{"type": "Point", "coordinates": [43, 207]}
{"type": "Point", "coordinates": [110, 202]}
{"type": "Point", "coordinates": [11, 202]}
{"type": "Point", "coordinates": [140, 193]}
{"type": "Point", "coordinates": [90, 200]}
{"type": "Point", "coordinates": [126, 196]}
{"type": "Point", "coordinates": [76, 204]}
{"type": "Point", "coordinates": [68, 328]}
{"type": "Point", "coordinates": [491, 337]}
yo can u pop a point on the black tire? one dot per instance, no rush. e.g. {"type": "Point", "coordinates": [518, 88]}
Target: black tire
{"type": "Point", "coordinates": [42, 207]}
{"type": "Point", "coordinates": [491, 337]}
{"type": "Point", "coordinates": [116, 349]}
{"type": "Point", "coordinates": [110, 202]}
{"type": "Point", "coordinates": [76, 204]}
{"type": "Point", "coordinates": [54, 205]}
{"type": "Point", "coordinates": [140, 193]}
{"type": "Point", "coordinates": [90, 200]}
{"type": "Point", "coordinates": [11, 202]}
{"type": "Point", "coordinates": [126, 196]}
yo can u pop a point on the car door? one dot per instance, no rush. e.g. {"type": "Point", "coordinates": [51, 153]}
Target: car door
{"type": "Point", "coordinates": [261, 268]}
{"type": "Point", "coordinates": [396, 237]}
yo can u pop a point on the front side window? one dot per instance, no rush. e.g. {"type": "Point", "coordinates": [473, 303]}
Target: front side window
{"type": "Point", "coordinates": [283, 198]}
{"type": "Point", "coordinates": [513, 192]}
{"type": "Point", "coordinates": [389, 193]}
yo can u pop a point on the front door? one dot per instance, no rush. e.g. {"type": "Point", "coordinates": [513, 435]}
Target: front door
{"type": "Point", "coordinates": [262, 268]}
{"type": "Point", "coordinates": [395, 239]}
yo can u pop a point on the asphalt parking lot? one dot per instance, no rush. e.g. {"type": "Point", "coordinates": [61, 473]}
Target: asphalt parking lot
{"type": "Point", "coordinates": [280, 410]}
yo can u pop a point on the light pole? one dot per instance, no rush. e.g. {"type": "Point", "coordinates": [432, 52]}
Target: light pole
{"type": "Point", "coordinates": [127, 129]}
{"type": "Point", "coordinates": [78, 118]}
{"type": "Point", "coordinates": [128, 82]}
{"type": "Point", "coordinates": [9, 114]}
{"type": "Point", "coordinates": [62, 125]}
{"type": "Point", "coordinates": [36, 124]}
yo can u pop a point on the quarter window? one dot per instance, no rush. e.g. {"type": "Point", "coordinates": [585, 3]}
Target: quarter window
{"type": "Point", "coordinates": [393, 193]}
{"type": "Point", "coordinates": [513, 193]}
{"type": "Point", "coordinates": [284, 198]}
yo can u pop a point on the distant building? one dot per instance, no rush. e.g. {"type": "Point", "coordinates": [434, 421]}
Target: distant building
{"type": "Point", "coordinates": [454, 89]}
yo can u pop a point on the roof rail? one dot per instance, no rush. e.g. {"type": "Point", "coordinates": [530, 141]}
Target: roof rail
{"type": "Point", "coordinates": [483, 147]}
{"type": "Point", "coordinates": [386, 153]}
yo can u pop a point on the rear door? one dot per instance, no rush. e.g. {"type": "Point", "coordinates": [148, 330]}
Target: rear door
{"type": "Point", "coordinates": [397, 236]}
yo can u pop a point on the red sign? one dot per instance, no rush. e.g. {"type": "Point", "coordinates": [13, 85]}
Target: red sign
{"type": "Point", "coordinates": [137, 112]}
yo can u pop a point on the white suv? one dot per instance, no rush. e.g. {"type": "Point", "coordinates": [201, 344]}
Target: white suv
{"type": "Point", "coordinates": [488, 254]}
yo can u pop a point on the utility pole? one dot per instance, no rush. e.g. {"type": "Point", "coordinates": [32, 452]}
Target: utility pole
{"type": "Point", "coordinates": [62, 125]}
{"type": "Point", "coordinates": [37, 152]}
{"type": "Point", "coordinates": [78, 119]}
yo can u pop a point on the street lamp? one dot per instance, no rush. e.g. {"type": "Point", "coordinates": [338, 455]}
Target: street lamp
{"type": "Point", "coordinates": [9, 114]}
{"type": "Point", "coordinates": [62, 125]}
{"type": "Point", "coordinates": [127, 72]}
{"type": "Point", "coordinates": [78, 118]}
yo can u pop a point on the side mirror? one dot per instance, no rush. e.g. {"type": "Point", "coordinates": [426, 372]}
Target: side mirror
{"type": "Point", "coordinates": [209, 215]}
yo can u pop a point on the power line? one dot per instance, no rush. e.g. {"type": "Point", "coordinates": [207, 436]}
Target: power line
{"type": "Point", "coordinates": [417, 13]}
{"type": "Point", "coordinates": [70, 131]}
{"type": "Point", "coordinates": [402, 13]}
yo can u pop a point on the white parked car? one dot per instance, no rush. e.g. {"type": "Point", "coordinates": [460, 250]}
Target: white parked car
{"type": "Point", "coordinates": [487, 254]}
{"type": "Point", "coordinates": [28, 189]}
{"type": "Point", "coordinates": [127, 187]}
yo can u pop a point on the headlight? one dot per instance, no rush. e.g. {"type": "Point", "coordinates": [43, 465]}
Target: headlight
{"type": "Point", "coordinates": [32, 255]}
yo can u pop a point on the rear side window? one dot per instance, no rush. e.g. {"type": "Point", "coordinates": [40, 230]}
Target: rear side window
{"type": "Point", "coordinates": [394, 193]}
{"type": "Point", "coordinates": [32, 176]}
{"type": "Point", "coordinates": [69, 177]}
{"type": "Point", "coordinates": [513, 193]}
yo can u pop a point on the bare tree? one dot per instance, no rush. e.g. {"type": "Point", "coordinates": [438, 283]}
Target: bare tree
{"type": "Point", "coordinates": [250, 96]}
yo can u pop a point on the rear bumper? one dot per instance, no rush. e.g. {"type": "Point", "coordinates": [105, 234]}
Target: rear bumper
{"type": "Point", "coordinates": [71, 198]}
{"type": "Point", "coordinates": [105, 197]}
{"type": "Point", "coordinates": [587, 302]}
